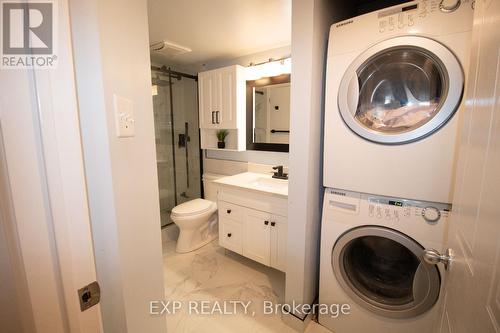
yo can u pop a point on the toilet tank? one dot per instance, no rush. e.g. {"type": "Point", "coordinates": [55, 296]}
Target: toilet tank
{"type": "Point", "coordinates": [209, 186]}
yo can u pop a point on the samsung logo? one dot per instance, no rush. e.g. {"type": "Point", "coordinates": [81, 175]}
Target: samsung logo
{"type": "Point", "coordinates": [338, 193]}
{"type": "Point", "coordinates": [341, 24]}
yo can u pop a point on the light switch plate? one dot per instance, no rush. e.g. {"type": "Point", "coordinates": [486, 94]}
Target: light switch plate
{"type": "Point", "coordinates": [124, 116]}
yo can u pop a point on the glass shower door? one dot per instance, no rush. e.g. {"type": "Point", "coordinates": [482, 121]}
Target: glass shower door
{"type": "Point", "coordinates": [175, 106]}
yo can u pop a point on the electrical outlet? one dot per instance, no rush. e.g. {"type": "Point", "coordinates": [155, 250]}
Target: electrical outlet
{"type": "Point", "coordinates": [124, 116]}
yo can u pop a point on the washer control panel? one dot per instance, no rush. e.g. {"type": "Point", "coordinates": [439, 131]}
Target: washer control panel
{"type": "Point", "coordinates": [381, 207]}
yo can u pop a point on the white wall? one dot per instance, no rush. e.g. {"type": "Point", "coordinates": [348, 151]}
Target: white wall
{"type": "Point", "coordinates": [112, 57]}
{"type": "Point", "coordinates": [311, 20]}
{"type": "Point", "coordinates": [250, 156]}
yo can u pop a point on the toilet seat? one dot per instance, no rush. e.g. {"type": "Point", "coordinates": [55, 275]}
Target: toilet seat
{"type": "Point", "coordinates": [193, 207]}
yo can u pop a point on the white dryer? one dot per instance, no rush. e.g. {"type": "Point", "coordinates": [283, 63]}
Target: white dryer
{"type": "Point", "coordinates": [394, 86]}
{"type": "Point", "coordinates": [372, 258]}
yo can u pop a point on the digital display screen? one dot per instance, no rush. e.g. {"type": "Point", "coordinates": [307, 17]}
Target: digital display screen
{"type": "Point", "coordinates": [412, 7]}
{"type": "Point", "coordinates": [395, 203]}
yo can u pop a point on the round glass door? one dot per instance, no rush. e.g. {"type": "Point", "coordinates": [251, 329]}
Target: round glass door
{"type": "Point", "coordinates": [382, 270]}
{"type": "Point", "coordinates": [401, 90]}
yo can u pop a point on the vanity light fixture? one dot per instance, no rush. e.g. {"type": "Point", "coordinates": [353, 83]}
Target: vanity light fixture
{"type": "Point", "coordinates": [268, 69]}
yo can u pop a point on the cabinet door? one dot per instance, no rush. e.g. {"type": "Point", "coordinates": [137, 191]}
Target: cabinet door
{"type": "Point", "coordinates": [278, 242]}
{"type": "Point", "coordinates": [230, 234]}
{"type": "Point", "coordinates": [208, 98]}
{"type": "Point", "coordinates": [256, 236]}
{"type": "Point", "coordinates": [227, 109]}
{"type": "Point", "coordinates": [217, 97]}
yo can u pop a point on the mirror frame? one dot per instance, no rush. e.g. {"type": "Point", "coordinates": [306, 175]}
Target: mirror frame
{"type": "Point", "coordinates": [266, 81]}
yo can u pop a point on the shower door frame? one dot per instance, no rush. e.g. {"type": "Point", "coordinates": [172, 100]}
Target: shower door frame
{"type": "Point", "coordinates": [172, 73]}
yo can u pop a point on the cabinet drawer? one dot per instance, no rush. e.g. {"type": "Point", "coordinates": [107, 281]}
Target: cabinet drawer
{"type": "Point", "coordinates": [230, 235]}
{"type": "Point", "coordinates": [231, 211]}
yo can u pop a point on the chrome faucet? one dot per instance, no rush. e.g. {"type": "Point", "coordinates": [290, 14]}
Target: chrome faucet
{"type": "Point", "coordinates": [279, 174]}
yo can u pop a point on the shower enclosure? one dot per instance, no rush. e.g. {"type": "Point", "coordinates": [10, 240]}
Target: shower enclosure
{"type": "Point", "coordinates": [175, 107]}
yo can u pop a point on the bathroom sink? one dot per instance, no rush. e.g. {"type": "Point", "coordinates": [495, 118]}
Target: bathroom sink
{"type": "Point", "coordinates": [256, 182]}
{"type": "Point", "coordinates": [270, 184]}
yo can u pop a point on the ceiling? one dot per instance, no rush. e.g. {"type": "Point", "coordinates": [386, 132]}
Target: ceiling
{"type": "Point", "coordinates": [219, 30]}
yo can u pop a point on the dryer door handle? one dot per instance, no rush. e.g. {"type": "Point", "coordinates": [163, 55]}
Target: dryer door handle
{"type": "Point", "coordinates": [353, 94]}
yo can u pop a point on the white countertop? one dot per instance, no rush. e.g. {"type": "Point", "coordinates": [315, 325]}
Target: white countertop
{"type": "Point", "coordinates": [260, 182]}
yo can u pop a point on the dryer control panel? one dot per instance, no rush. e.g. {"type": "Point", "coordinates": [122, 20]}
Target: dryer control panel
{"type": "Point", "coordinates": [404, 17]}
{"type": "Point", "coordinates": [431, 18]}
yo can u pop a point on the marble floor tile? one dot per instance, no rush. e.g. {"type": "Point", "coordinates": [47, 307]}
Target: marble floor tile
{"type": "Point", "coordinates": [215, 275]}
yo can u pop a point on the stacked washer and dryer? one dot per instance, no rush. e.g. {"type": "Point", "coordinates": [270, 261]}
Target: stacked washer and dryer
{"type": "Point", "coordinates": [394, 88]}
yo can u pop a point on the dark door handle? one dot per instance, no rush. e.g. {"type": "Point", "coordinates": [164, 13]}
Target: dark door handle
{"type": "Point", "coordinates": [273, 224]}
{"type": "Point", "coordinates": [228, 211]}
{"type": "Point", "coordinates": [229, 235]}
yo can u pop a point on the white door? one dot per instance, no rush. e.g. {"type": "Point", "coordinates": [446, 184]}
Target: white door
{"type": "Point", "coordinates": [472, 285]}
{"type": "Point", "coordinates": [45, 218]}
{"type": "Point", "coordinates": [278, 242]}
{"type": "Point", "coordinates": [256, 236]}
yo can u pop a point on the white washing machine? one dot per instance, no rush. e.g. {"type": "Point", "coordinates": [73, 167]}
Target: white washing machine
{"type": "Point", "coordinates": [372, 258]}
{"type": "Point", "coordinates": [394, 86]}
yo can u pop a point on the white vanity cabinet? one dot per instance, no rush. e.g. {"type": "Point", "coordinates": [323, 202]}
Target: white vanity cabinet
{"type": "Point", "coordinates": [222, 105]}
{"type": "Point", "coordinates": [254, 225]}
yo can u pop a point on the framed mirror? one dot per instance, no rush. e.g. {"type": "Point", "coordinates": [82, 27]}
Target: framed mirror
{"type": "Point", "coordinates": [268, 113]}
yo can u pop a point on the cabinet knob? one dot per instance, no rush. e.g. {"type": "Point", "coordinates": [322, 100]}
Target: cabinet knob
{"type": "Point", "coordinates": [266, 222]}
{"type": "Point", "coordinates": [229, 235]}
{"type": "Point", "coordinates": [273, 224]}
{"type": "Point", "coordinates": [228, 211]}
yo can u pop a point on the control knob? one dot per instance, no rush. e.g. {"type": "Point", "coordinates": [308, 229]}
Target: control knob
{"type": "Point", "coordinates": [448, 6]}
{"type": "Point", "coordinates": [431, 214]}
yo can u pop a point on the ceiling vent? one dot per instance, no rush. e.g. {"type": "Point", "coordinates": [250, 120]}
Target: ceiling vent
{"type": "Point", "coordinates": [169, 49]}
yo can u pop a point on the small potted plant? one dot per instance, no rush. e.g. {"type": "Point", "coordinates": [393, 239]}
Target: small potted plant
{"type": "Point", "coordinates": [221, 136]}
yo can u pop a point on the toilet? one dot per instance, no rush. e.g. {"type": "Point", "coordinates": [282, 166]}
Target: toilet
{"type": "Point", "coordinates": [197, 218]}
